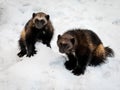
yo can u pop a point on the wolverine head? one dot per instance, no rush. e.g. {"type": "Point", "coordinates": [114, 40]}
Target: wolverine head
{"type": "Point", "coordinates": [66, 43]}
{"type": "Point", "coordinates": [40, 19]}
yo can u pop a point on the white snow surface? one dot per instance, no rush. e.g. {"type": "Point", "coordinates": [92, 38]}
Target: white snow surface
{"type": "Point", "coordinates": [45, 70]}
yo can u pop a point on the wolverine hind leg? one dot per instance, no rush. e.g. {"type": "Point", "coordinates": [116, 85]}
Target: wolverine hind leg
{"type": "Point", "coordinates": [22, 48]}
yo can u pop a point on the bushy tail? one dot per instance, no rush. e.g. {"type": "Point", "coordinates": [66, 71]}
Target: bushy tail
{"type": "Point", "coordinates": [109, 52]}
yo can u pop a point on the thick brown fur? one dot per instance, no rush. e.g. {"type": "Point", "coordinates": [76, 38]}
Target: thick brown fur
{"type": "Point", "coordinates": [83, 47]}
{"type": "Point", "coordinates": [38, 28]}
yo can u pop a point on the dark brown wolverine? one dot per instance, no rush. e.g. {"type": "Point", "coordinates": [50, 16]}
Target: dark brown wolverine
{"type": "Point", "coordinates": [39, 27]}
{"type": "Point", "coordinates": [82, 47]}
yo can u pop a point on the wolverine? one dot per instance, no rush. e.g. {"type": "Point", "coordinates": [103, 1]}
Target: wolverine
{"type": "Point", "coordinates": [38, 28]}
{"type": "Point", "coordinates": [83, 47]}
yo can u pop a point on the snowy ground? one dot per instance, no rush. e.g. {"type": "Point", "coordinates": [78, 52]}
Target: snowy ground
{"type": "Point", "coordinates": [45, 71]}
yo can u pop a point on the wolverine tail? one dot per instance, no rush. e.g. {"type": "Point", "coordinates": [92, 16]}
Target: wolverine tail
{"type": "Point", "coordinates": [109, 52]}
{"type": "Point", "coordinates": [100, 55]}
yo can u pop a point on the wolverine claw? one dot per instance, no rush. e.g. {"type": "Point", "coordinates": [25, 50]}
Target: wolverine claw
{"type": "Point", "coordinates": [34, 52]}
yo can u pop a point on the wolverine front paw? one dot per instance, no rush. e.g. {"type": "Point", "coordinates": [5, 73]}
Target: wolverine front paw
{"type": "Point", "coordinates": [78, 71]}
{"type": "Point", "coordinates": [29, 54]}
{"type": "Point", "coordinates": [21, 53]}
{"type": "Point", "coordinates": [69, 65]}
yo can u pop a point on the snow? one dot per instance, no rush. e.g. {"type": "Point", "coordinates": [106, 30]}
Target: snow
{"type": "Point", "coordinates": [46, 71]}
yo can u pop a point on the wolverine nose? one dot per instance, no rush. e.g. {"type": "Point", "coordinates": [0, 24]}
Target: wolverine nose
{"type": "Point", "coordinates": [61, 50]}
{"type": "Point", "coordinates": [42, 21]}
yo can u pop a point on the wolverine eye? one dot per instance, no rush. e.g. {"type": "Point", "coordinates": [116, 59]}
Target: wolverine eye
{"type": "Point", "coordinates": [60, 44]}
{"type": "Point", "coordinates": [36, 20]}
{"type": "Point", "coordinates": [39, 21]}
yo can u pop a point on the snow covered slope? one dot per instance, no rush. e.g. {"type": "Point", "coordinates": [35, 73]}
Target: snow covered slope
{"type": "Point", "coordinates": [46, 71]}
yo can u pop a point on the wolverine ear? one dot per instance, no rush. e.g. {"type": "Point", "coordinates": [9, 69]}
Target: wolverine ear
{"type": "Point", "coordinates": [73, 40]}
{"type": "Point", "coordinates": [59, 36]}
{"type": "Point", "coordinates": [33, 15]}
{"type": "Point", "coordinates": [47, 17]}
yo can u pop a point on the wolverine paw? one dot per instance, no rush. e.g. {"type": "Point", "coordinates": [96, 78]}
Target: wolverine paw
{"type": "Point", "coordinates": [69, 65]}
{"type": "Point", "coordinates": [21, 54]}
{"type": "Point", "coordinates": [78, 71]}
{"type": "Point", "coordinates": [31, 53]}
